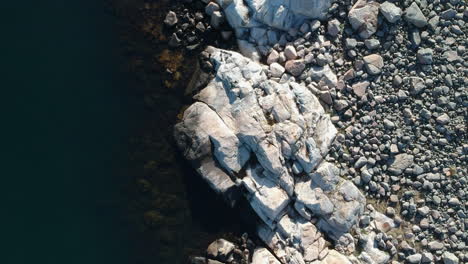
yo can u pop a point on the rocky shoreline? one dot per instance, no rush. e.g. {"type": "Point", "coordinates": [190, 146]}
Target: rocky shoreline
{"type": "Point", "coordinates": [327, 104]}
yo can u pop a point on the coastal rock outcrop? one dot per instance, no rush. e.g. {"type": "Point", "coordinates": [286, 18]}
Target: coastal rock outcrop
{"type": "Point", "coordinates": [391, 74]}
{"type": "Point", "coordinates": [267, 140]}
{"type": "Point", "coordinates": [262, 23]}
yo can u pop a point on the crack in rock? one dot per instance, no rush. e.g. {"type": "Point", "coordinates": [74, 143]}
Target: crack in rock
{"type": "Point", "coordinates": [300, 198]}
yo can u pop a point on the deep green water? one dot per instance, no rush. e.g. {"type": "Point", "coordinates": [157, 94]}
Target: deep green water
{"type": "Point", "coordinates": [65, 123]}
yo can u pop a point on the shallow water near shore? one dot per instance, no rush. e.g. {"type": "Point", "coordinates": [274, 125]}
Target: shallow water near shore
{"type": "Point", "coordinates": [92, 173]}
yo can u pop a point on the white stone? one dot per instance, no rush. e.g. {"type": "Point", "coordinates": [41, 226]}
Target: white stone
{"type": "Point", "coordinates": [267, 199]}
{"type": "Point", "coordinates": [263, 256]}
{"type": "Point", "coordinates": [248, 49]}
{"type": "Point", "coordinates": [391, 12]}
{"type": "Point", "coordinates": [276, 69]}
{"type": "Point", "coordinates": [334, 257]}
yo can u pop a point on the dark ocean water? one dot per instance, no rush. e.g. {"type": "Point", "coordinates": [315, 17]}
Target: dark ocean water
{"type": "Point", "coordinates": [65, 123]}
{"type": "Point", "coordinates": [68, 171]}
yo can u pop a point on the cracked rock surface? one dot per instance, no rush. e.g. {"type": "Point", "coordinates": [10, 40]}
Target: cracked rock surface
{"type": "Point", "coordinates": [267, 140]}
{"type": "Point", "coordinates": [392, 75]}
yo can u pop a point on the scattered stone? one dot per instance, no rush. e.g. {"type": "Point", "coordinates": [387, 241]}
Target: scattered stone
{"type": "Point", "coordinates": [425, 56]}
{"type": "Point", "coordinates": [314, 25]}
{"type": "Point", "coordinates": [372, 43]}
{"type": "Point", "coordinates": [373, 63]}
{"type": "Point", "coordinates": [295, 67]}
{"type": "Point", "coordinates": [171, 19]}
{"type": "Point", "coordinates": [401, 126]}
{"type": "Point", "coordinates": [276, 70]}
{"type": "Point", "coordinates": [415, 16]}
{"type": "Point", "coordinates": [290, 52]}
{"type": "Point", "coordinates": [350, 43]}
{"type": "Point", "coordinates": [435, 246]}
{"type": "Point", "coordinates": [449, 258]}
{"type": "Point", "coordinates": [273, 57]}
{"type": "Point", "coordinates": [174, 41]}
{"type": "Point", "coordinates": [360, 88]}
{"type": "Point", "coordinates": [363, 17]}
{"type": "Point", "coordinates": [220, 249]}
{"type": "Point", "coordinates": [400, 163]}
{"type": "Point", "coordinates": [415, 258]}
{"type": "Point", "coordinates": [443, 119]}
{"type": "Point", "coordinates": [334, 27]}
{"type": "Point", "coordinates": [390, 11]}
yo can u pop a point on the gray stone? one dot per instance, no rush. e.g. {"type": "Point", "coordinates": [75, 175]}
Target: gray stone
{"type": "Point", "coordinates": [314, 25]}
{"type": "Point", "coordinates": [363, 17]}
{"type": "Point", "coordinates": [259, 35]}
{"type": "Point", "coordinates": [321, 60]}
{"type": "Point", "coordinates": [295, 67]}
{"type": "Point", "coordinates": [373, 63]}
{"type": "Point", "coordinates": [212, 261]}
{"type": "Point", "coordinates": [360, 162]}
{"type": "Point", "coordinates": [434, 22]}
{"type": "Point", "coordinates": [198, 260]}
{"type": "Point", "coordinates": [211, 7]}
{"type": "Point", "coordinates": [326, 176]}
{"type": "Point", "coordinates": [414, 16]}
{"type": "Point", "coordinates": [196, 143]}
{"type": "Point", "coordinates": [174, 41]}
{"type": "Point", "coordinates": [324, 74]}
{"type": "Point", "coordinates": [272, 57]}
{"type": "Point", "coordinates": [435, 245]}
{"type": "Point", "coordinates": [242, 114]}
{"type": "Point", "coordinates": [414, 259]}
{"type": "Point", "coordinates": [217, 18]}
{"type": "Point", "coordinates": [276, 70]}
{"type": "Point", "coordinates": [443, 119]}
{"type": "Point", "coordinates": [313, 199]}
{"type": "Point", "coordinates": [449, 258]}
{"type": "Point", "coordinates": [350, 43]}
{"type": "Point", "coordinates": [388, 124]}
{"type": "Point", "coordinates": [400, 163]}
{"type": "Point", "coordinates": [348, 207]}
{"type": "Point", "coordinates": [425, 56]}
{"type": "Point", "coordinates": [372, 43]}
{"type": "Point", "coordinates": [417, 85]}
{"type": "Point", "coordinates": [290, 52]}
{"type": "Point", "coordinates": [333, 27]}
{"type": "Point", "coordinates": [390, 11]}
{"type": "Point", "coordinates": [266, 198]}
{"type": "Point", "coordinates": [360, 88]}
{"type": "Point", "coordinates": [371, 253]}
{"type": "Point", "coordinates": [427, 257]}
